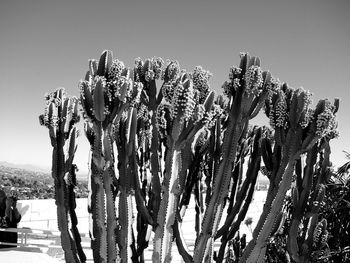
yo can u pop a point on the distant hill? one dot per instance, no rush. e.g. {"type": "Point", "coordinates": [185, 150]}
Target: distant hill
{"type": "Point", "coordinates": [81, 176]}
{"type": "Point", "coordinates": [31, 184]}
{"type": "Point", "coordinates": [28, 167]}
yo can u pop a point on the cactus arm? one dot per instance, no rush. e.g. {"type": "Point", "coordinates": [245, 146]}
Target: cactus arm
{"type": "Point", "coordinates": [109, 188]}
{"type": "Point", "coordinates": [244, 197]}
{"type": "Point", "coordinates": [125, 209]}
{"type": "Point", "coordinates": [111, 226]}
{"type": "Point", "coordinates": [62, 219]}
{"type": "Point", "coordinates": [140, 203]}
{"type": "Point", "coordinates": [103, 205]}
{"type": "Point", "coordinates": [72, 214]}
{"type": "Point", "coordinates": [176, 166]}
{"type": "Point", "coordinates": [166, 215]}
{"type": "Point", "coordinates": [247, 83]}
{"type": "Point", "coordinates": [294, 141]}
{"type": "Point", "coordinates": [129, 183]}
{"type": "Point", "coordinates": [71, 184]}
{"type": "Point", "coordinates": [104, 64]}
{"type": "Point", "coordinates": [245, 194]}
{"type": "Point", "coordinates": [59, 117]}
{"type": "Point", "coordinates": [273, 205]}
{"type": "Point", "coordinates": [302, 192]}
{"type": "Point", "coordinates": [99, 102]}
{"type": "Point", "coordinates": [315, 196]}
{"type": "Point", "coordinates": [215, 207]}
{"type": "Point", "coordinates": [313, 221]}
{"type": "Point", "coordinates": [214, 156]}
{"type": "Point", "coordinates": [275, 191]}
{"type": "Point", "coordinates": [143, 237]}
{"type": "Point", "coordinates": [237, 175]}
{"type": "Point", "coordinates": [107, 92]}
{"type": "Point", "coordinates": [155, 167]}
{"type": "Point", "coordinates": [191, 180]}
{"type": "Point", "coordinates": [258, 252]}
{"type": "Point", "coordinates": [183, 125]}
{"type": "Point", "coordinates": [181, 244]}
{"type": "Point", "coordinates": [272, 192]}
{"type": "Point", "coordinates": [258, 102]}
{"type": "Point", "coordinates": [99, 232]}
{"type": "Point", "coordinates": [236, 184]}
{"type": "Point", "coordinates": [72, 147]}
{"type": "Point", "coordinates": [125, 220]}
{"type": "Point", "coordinates": [148, 72]}
{"type": "Point", "coordinates": [144, 219]}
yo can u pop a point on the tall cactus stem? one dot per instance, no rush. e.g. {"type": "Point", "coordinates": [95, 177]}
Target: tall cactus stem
{"type": "Point", "coordinates": [168, 207]}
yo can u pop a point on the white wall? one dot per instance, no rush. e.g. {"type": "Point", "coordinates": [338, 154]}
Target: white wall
{"type": "Point", "coordinates": [42, 214]}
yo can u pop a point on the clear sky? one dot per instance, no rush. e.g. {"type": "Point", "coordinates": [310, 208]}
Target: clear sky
{"type": "Point", "coordinates": [46, 44]}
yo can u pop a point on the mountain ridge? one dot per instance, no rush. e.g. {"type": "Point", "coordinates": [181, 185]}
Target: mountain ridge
{"type": "Point", "coordinates": [28, 167]}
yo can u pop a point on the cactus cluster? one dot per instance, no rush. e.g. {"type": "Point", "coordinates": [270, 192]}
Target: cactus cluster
{"type": "Point", "coordinates": [154, 148]}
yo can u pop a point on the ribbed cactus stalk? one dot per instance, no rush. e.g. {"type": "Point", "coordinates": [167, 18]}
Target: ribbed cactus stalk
{"type": "Point", "coordinates": [247, 90]}
{"type": "Point", "coordinates": [71, 184]}
{"type": "Point", "coordinates": [297, 129]}
{"type": "Point", "coordinates": [60, 116]}
{"type": "Point", "coordinates": [107, 91]}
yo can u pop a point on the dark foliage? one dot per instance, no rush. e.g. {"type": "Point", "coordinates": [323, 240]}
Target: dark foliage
{"type": "Point", "coordinates": [337, 212]}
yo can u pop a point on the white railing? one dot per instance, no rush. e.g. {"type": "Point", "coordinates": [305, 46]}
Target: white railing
{"type": "Point", "coordinates": [52, 238]}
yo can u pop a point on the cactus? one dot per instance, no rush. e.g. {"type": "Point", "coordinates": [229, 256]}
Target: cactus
{"type": "Point", "coordinates": [297, 129]}
{"type": "Point", "coordinates": [309, 192]}
{"type": "Point", "coordinates": [147, 73]}
{"type": "Point", "coordinates": [244, 196]}
{"type": "Point", "coordinates": [129, 187]}
{"type": "Point", "coordinates": [106, 93]}
{"type": "Point", "coordinates": [307, 197]}
{"type": "Point", "coordinates": [169, 142]}
{"type": "Point", "coordinates": [60, 116]}
{"type": "Point", "coordinates": [247, 90]}
{"type": "Point", "coordinates": [184, 116]}
{"type": "Point", "coordinates": [71, 184]}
